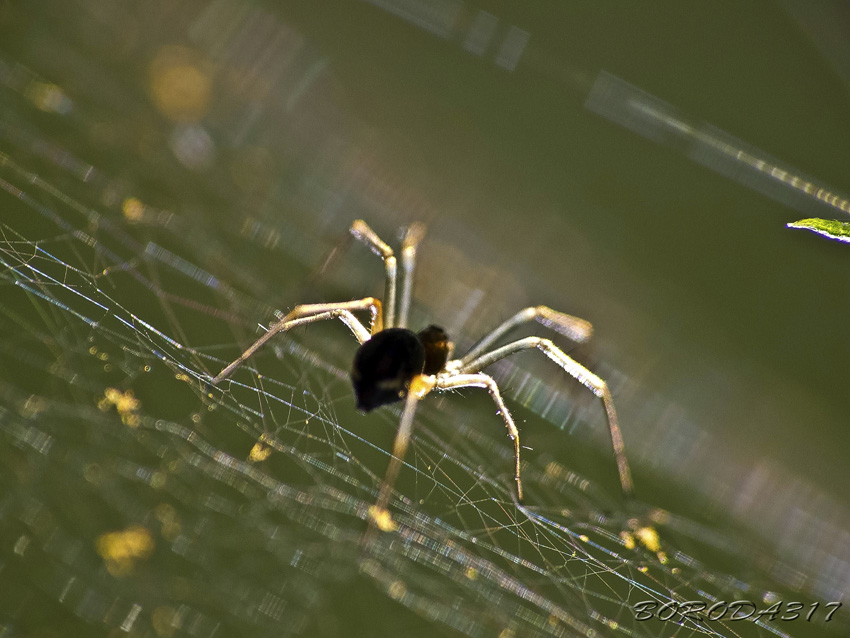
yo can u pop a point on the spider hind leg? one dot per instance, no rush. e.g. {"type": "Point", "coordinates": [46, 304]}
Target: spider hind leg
{"type": "Point", "coordinates": [584, 376]}
{"type": "Point", "coordinates": [481, 380]}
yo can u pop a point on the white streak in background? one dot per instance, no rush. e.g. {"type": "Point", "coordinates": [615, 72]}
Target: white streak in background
{"type": "Point", "coordinates": [825, 24]}
{"type": "Point", "coordinates": [305, 82]}
{"type": "Point", "coordinates": [130, 620]}
{"type": "Point", "coordinates": [480, 33]}
{"type": "Point", "coordinates": [181, 265]}
{"type": "Point", "coordinates": [441, 17]}
{"type": "Point", "coordinates": [465, 312]}
{"type": "Point", "coordinates": [512, 47]}
{"type": "Point", "coordinates": [437, 16]}
{"type": "Point", "coordinates": [655, 119]}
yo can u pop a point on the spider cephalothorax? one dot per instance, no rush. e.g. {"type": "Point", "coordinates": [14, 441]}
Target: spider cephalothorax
{"type": "Point", "coordinates": [394, 363]}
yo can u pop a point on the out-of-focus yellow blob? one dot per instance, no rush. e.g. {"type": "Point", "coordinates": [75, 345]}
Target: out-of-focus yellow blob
{"type": "Point", "coordinates": [180, 84]}
{"type": "Point", "coordinates": [259, 453]}
{"type": "Point", "coordinates": [125, 404]}
{"type": "Point", "coordinates": [649, 538]}
{"type": "Point", "coordinates": [397, 590]}
{"type": "Point", "coordinates": [48, 97]}
{"type": "Point", "coordinates": [382, 519]}
{"type": "Point", "coordinates": [133, 209]}
{"type": "Point", "coordinates": [121, 550]}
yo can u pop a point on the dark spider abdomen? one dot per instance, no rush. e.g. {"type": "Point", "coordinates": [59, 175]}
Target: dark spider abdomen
{"type": "Point", "coordinates": [385, 365]}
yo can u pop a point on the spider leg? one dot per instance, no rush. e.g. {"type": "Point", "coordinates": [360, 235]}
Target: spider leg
{"type": "Point", "coordinates": [311, 313]}
{"type": "Point", "coordinates": [571, 327]}
{"type": "Point", "coordinates": [364, 233]}
{"type": "Point", "coordinates": [578, 372]}
{"type": "Point", "coordinates": [481, 380]}
{"type": "Point", "coordinates": [419, 387]}
{"type": "Point", "coordinates": [412, 237]}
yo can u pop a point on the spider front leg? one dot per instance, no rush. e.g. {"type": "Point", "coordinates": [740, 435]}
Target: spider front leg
{"type": "Point", "coordinates": [420, 386]}
{"type": "Point", "coordinates": [311, 313]}
{"type": "Point", "coordinates": [363, 232]}
{"type": "Point", "coordinates": [584, 376]}
{"type": "Point", "coordinates": [452, 381]}
{"type": "Point", "coordinates": [412, 237]}
{"type": "Point", "coordinates": [414, 234]}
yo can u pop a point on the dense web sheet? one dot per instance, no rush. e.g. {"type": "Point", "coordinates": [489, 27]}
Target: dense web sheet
{"type": "Point", "coordinates": [137, 498]}
{"type": "Point", "coordinates": [241, 508]}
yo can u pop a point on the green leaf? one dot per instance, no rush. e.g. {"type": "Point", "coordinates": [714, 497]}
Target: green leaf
{"type": "Point", "coordinates": [840, 231]}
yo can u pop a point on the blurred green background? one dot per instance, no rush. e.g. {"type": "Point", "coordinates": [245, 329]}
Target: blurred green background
{"type": "Point", "coordinates": [632, 163]}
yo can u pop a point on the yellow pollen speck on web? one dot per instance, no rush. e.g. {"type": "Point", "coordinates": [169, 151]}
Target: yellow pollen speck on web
{"type": "Point", "coordinates": [648, 537]}
{"type": "Point", "coordinates": [259, 453]}
{"type": "Point", "coordinates": [125, 404]}
{"type": "Point", "coordinates": [382, 519]}
{"type": "Point", "coordinates": [121, 550]}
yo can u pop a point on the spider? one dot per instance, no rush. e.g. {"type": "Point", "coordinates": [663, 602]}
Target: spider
{"type": "Point", "coordinates": [393, 363]}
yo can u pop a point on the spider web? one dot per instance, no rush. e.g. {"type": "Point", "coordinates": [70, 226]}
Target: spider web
{"type": "Point", "coordinates": [256, 545]}
{"type": "Point", "coordinates": [241, 509]}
